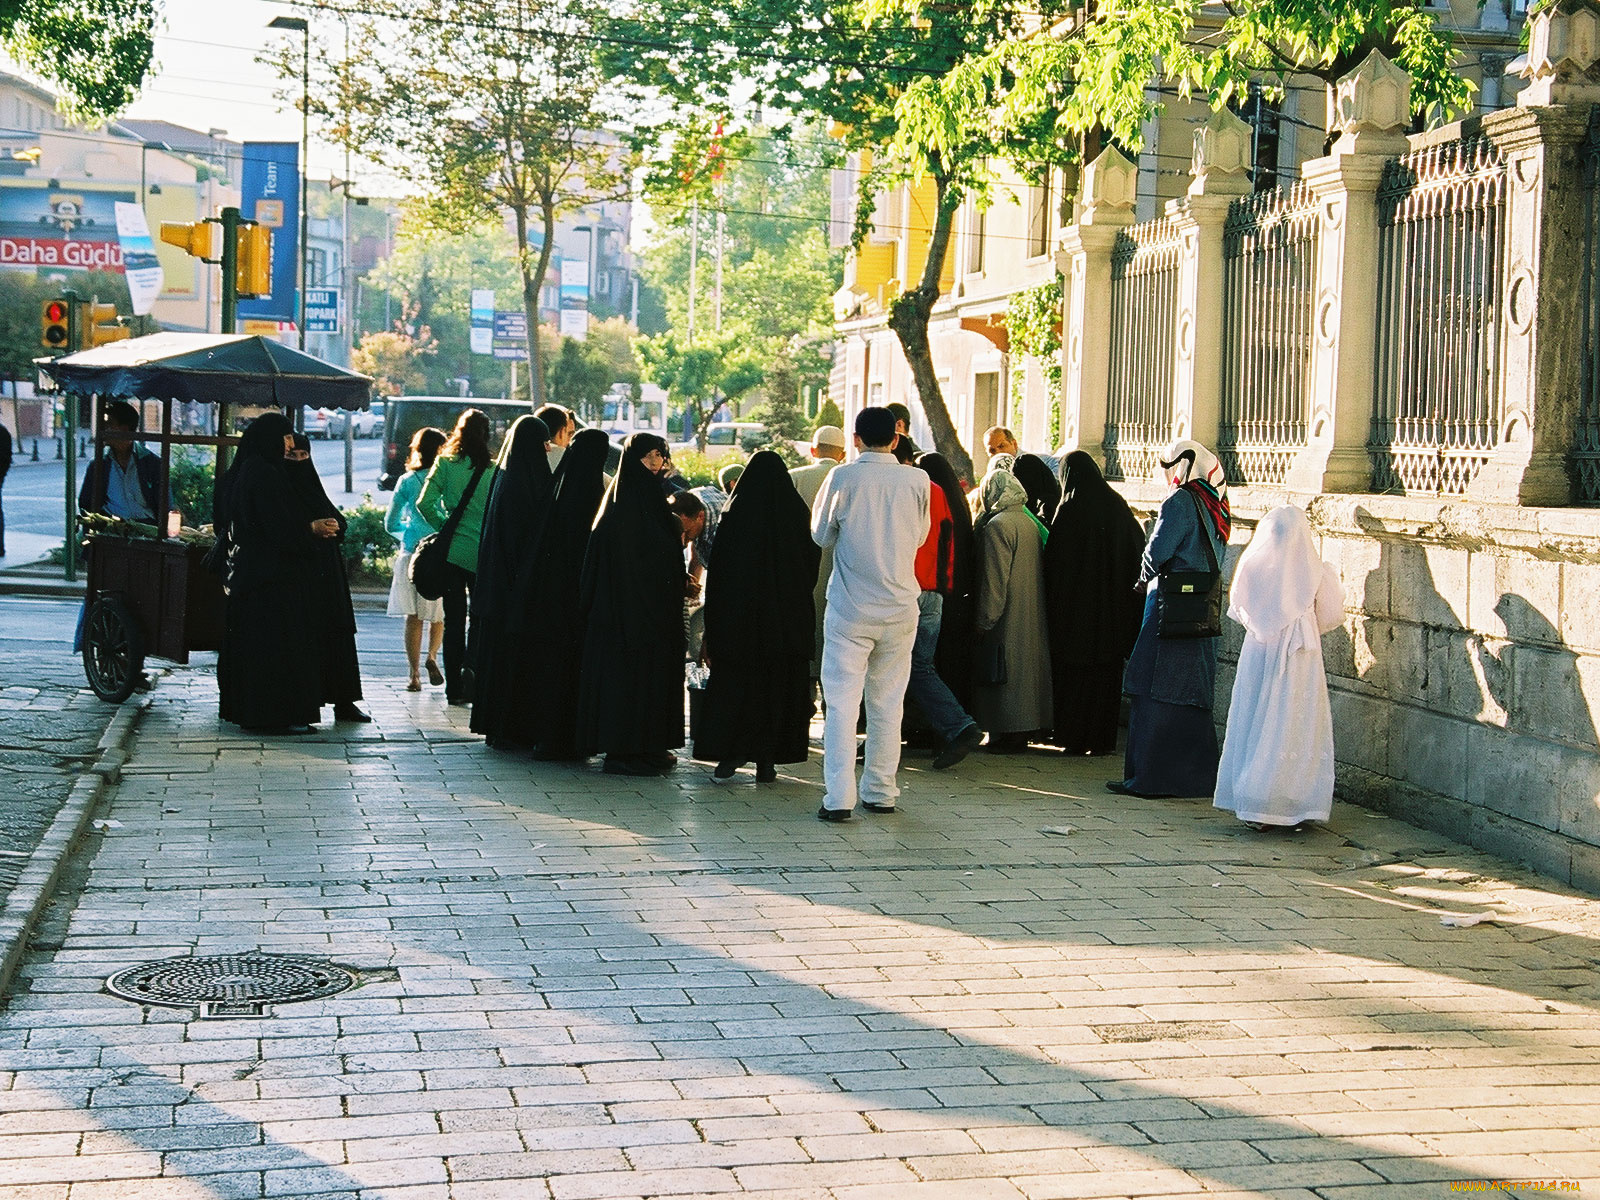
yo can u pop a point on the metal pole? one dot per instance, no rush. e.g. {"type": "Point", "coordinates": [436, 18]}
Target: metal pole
{"type": "Point", "coordinates": [722, 226]}
{"type": "Point", "coordinates": [69, 557]}
{"type": "Point", "coordinates": [230, 273]}
{"type": "Point", "coordinates": [305, 156]}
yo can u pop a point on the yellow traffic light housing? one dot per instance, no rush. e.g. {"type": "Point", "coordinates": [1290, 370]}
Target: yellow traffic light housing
{"type": "Point", "coordinates": [102, 325]}
{"type": "Point", "coordinates": [254, 274]}
{"type": "Point", "coordinates": [55, 324]}
{"type": "Point", "coordinates": [195, 239]}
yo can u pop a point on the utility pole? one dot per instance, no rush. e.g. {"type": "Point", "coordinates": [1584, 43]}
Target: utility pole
{"type": "Point", "coordinates": [70, 407]}
{"type": "Point", "coordinates": [230, 270]}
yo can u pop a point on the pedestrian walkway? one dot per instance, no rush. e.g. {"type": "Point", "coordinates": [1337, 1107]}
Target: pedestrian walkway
{"type": "Point", "coordinates": [579, 985]}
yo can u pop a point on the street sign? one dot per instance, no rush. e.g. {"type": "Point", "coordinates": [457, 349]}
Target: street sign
{"type": "Point", "coordinates": [322, 310]}
{"type": "Point", "coordinates": [510, 326]}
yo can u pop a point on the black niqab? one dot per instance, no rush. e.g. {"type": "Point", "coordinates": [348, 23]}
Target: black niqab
{"type": "Point", "coordinates": [1091, 567]}
{"type": "Point", "coordinates": [1036, 478]}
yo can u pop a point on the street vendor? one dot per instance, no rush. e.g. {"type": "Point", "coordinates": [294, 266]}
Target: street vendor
{"type": "Point", "coordinates": [126, 480]}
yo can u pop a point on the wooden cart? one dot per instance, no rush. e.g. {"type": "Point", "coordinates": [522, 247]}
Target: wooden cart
{"type": "Point", "coordinates": [155, 595]}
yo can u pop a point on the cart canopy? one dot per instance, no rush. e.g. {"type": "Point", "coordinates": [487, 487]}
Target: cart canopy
{"type": "Point", "coordinates": [209, 368]}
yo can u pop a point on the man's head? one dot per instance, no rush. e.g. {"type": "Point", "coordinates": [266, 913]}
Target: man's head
{"type": "Point", "coordinates": [902, 417]}
{"type": "Point", "coordinates": [997, 439]}
{"type": "Point", "coordinates": [729, 475]}
{"type": "Point", "coordinates": [118, 416]}
{"type": "Point", "coordinates": [828, 442]}
{"type": "Point", "coordinates": [690, 512]}
{"type": "Point", "coordinates": [560, 422]}
{"type": "Point", "coordinates": [875, 428]}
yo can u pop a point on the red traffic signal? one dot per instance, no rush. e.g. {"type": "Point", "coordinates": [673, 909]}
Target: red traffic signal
{"type": "Point", "coordinates": [55, 324]}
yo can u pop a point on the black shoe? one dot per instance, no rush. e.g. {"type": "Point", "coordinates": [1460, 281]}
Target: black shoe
{"type": "Point", "coordinates": [766, 773]}
{"type": "Point", "coordinates": [661, 760]}
{"type": "Point", "coordinates": [958, 747]}
{"type": "Point", "coordinates": [727, 771]}
{"type": "Point", "coordinates": [347, 711]}
{"type": "Point", "coordinates": [833, 814]}
{"type": "Point", "coordinates": [1117, 788]}
{"type": "Point", "coordinates": [873, 806]}
{"type": "Point", "coordinates": [617, 764]}
{"type": "Point", "coordinates": [1007, 743]}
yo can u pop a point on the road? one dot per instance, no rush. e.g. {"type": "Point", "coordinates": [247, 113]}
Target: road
{"type": "Point", "coordinates": [35, 498]}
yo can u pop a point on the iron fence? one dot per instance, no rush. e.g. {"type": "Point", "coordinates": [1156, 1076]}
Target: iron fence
{"type": "Point", "coordinates": [1269, 251]}
{"type": "Point", "coordinates": [1142, 346]}
{"type": "Point", "coordinates": [1586, 438]}
{"type": "Point", "coordinates": [1441, 273]}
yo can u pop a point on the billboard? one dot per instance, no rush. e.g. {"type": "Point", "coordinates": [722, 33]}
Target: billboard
{"type": "Point", "coordinates": [269, 190]}
{"type": "Point", "coordinates": [574, 298]}
{"type": "Point", "coordinates": [139, 259]}
{"type": "Point", "coordinates": [69, 227]}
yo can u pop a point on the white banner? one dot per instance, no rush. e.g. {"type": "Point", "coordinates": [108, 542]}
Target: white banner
{"type": "Point", "coordinates": [138, 257]}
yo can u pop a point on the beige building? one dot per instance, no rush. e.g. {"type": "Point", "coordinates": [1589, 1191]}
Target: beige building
{"type": "Point", "coordinates": [1012, 245]}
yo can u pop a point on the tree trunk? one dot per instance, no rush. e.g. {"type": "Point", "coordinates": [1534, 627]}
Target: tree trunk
{"type": "Point", "coordinates": [533, 274]}
{"type": "Point", "coordinates": [908, 317]}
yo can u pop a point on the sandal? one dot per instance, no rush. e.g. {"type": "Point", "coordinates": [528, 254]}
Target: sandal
{"type": "Point", "coordinates": [414, 686]}
{"type": "Point", "coordinates": [435, 676]}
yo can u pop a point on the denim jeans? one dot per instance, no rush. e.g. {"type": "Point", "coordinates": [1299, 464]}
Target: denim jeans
{"type": "Point", "coordinates": [933, 696]}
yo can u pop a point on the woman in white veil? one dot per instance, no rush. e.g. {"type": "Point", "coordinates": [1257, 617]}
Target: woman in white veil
{"type": "Point", "coordinates": [1277, 757]}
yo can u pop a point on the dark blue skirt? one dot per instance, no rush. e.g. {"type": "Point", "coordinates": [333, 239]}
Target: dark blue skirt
{"type": "Point", "coordinates": [1172, 749]}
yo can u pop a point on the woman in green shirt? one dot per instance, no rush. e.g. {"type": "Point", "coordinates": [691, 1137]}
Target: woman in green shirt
{"type": "Point", "coordinates": [463, 458]}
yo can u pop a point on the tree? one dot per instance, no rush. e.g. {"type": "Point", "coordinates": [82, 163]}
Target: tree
{"type": "Point", "coordinates": [839, 63]}
{"type": "Point", "coordinates": [394, 361]}
{"type": "Point", "coordinates": [22, 297]}
{"type": "Point", "coordinates": [491, 107]}
{"type": "Point", "coordinates": [1049, 86]}
{"type": "Point", "coordinates": [580, 377]}
{"type": "Point", "coordinates": [97, 52]}
{"type": "Point", "coordinates": [694, 374]}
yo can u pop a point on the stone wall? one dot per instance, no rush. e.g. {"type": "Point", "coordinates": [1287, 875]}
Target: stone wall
{"type": "Point", "coordinates": [1465, 682]}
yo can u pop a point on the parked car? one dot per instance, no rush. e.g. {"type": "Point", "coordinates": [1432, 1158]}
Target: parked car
{"type": "Point", "coordinates": [317, 421]}
{"type": "Point", "coordinates": [404, 415]}
{"type": "Point", "coordinates": [367, 422]}
{"type": "Point", "coordinates": [726, 435]}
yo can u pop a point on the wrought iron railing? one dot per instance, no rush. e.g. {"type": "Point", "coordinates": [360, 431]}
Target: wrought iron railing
{"type": "Point", "coordinates": [1441, 274]}
{"type": "Point", "coordinates": [1142, 344]}
{"type": "Point", "coordinates": [1269, 281]}
{"type": "Point", "coordinates": [1586, 437]}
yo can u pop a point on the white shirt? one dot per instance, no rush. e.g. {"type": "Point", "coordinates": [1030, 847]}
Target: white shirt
{"type": "Point", "coordinates": [874, 514]}
{"type": "Point", "coordinates": [124, 496]}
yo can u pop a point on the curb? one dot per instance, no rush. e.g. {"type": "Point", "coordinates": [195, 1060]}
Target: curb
{"type": "Point", "coordinates": [38, 880]}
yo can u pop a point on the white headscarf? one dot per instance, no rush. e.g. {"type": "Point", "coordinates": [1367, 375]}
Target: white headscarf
{"type": "Point", "coordinates": [1185, 460]}
{"type": "Point", "coordinates": [1002, 490]}
{"type": "Point", "coordinates": [1276, 582]}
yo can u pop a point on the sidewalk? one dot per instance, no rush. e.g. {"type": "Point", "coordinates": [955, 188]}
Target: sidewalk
{"type": "Point", "coordinates": [578, 985]}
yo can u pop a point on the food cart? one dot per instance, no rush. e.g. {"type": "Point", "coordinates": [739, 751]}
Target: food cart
{"type": "Point", "coordinates": [148, 590]}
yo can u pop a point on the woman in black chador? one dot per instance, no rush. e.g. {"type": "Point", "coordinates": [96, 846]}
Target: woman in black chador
{"type": "Point", "coordinates": [552, 694]}
{"type": "Point", "coordinates": [504, 650]}
{"type": "Point", "coordinates": [332, 624]}
{"type": "Point", "coordinates": [1039, 481]}
{"type": "Point", "coordinates": [1091, 576]}
{"type": "Point", "coordinates": [268, 679]}
{"type": "Point", "coordinates": [630, 700]}
{"type": "Point", "coordinates": [760, 626]}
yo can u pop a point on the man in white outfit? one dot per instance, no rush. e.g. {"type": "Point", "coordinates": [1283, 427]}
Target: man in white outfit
{"type": "Point", "coordinates": [874, 516]}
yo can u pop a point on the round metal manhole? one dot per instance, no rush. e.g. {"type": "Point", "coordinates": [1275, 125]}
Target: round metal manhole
{"type": "Point", "coordinates": [236, 981]}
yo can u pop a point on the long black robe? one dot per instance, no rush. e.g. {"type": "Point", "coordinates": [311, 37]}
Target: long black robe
{"type": "Point", "coordinates": [267, 674]}
{"type": "Point", "coordinates": [553, 594]}
{"type": "Point", "coordinates": [1041, 484]}
{"type": "Point", "coordinates": [630, 699]}
{"type": "Point", "coordinates": [1091, 572]}
{"type": "Point", "coordinates": [952, 658]}
{"type": "Point", "coordinates": [759, 622]}
{"type": "Point", "coordinates": [332, 624]}
{"type": "Point", "coordinates": [505, 651]}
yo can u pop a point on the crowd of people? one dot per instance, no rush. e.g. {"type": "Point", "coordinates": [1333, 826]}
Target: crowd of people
{"type": "Point", "coordinates": [1018, 615]}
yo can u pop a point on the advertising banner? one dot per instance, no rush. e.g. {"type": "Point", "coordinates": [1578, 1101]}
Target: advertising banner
{"type": "Point", "coordinates": [69, 227]}
{"type": "Point", "coordinates": [269, 190]}
{"type": "Point", "coordinates": [575, 298]}
{"type": "Point", "coordinates": [138, 257]}
{"type": "Point", "coordinates": [482, 309]}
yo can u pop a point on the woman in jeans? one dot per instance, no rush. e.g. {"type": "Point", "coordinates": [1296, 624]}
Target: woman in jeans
{"type": "Point", "coordinates": [463, 459]}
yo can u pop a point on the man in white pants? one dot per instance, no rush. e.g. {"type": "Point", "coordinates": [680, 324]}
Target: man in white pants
{"type": "Point", "coordinates": [874, 515]}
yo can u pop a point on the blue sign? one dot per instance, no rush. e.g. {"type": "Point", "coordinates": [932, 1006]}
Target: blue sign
{"type": "Point", "coordinates": [269, 187]}
{"type": "Point", "coordinates": [511, 326]}
{"type": "Point", "coordinates": [322, 310]}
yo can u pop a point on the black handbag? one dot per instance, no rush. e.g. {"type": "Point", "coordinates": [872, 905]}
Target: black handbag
{"type": "Point", "coordinates": [1189, 603]}
{"type": "Point", "coordinates": [429, 568]}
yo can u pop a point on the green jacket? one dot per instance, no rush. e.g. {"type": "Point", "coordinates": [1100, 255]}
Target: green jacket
{"type": "Point", "coordinates": [441, 492]}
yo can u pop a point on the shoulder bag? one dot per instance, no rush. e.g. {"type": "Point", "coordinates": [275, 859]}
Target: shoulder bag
{"type": "Point", "coordinates": [1189, 603]}
{"type": "Point", "coordinates": [430, 561]}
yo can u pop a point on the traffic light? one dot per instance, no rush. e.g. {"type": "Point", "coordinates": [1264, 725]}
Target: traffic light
{"type": "Point", "coordinates": [55, 324]}
{"type": "Point", "coordinates": [193, 239]}
{"type": "Point", "coordinates": [102, 325]}
{"type": "Point", "coordinates": [254, 275]}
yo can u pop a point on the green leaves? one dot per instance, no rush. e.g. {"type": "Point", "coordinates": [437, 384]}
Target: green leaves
{"type": "Point", "coordinates": [97, 52]}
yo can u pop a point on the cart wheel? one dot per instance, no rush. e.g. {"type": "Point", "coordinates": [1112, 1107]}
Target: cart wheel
{"type": "Point", "coordinates": [113, 649]}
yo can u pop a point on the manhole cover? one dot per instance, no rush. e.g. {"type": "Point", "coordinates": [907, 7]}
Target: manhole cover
{"type": "Point", "coordinates": [233, 985]}
{"type": "Point", "coordinates": [1167, 1031]}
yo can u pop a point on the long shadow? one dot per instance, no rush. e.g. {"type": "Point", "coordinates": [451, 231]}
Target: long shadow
{"type": "Point", "coordinates": [618, 993]}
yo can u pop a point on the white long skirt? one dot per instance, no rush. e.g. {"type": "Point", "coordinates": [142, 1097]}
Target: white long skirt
{"type": "Point", "coordinates": [1277, 759]}
{"type": "Point", "coordinates": [403, 598]}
